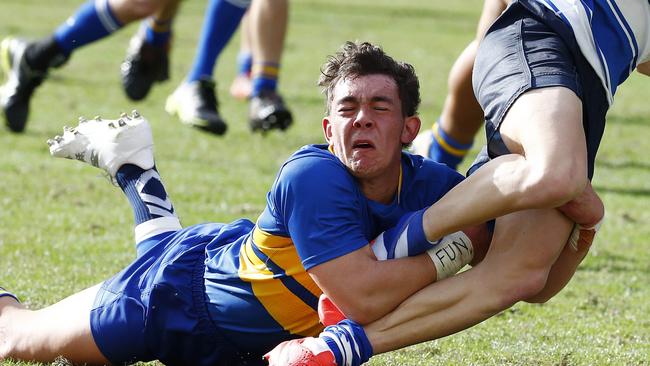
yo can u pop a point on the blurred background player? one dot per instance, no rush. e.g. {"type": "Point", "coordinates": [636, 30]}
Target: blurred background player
{"type": "Point", "coordinates": [195, 101]}
{"type": "Point", "coordinates": [451, 137]}
{"type": "Point", "coordinates": [26, 64]}
{"type": "Point", "coordinates": [241, 86]}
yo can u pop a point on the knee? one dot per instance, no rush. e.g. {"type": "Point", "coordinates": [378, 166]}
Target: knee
{"type": "Point", "coordinates": [554, 186]}
{"type": "Point", "coordinates": [521, 286]}
{"type": "Point", "coordinates": [135, 9]}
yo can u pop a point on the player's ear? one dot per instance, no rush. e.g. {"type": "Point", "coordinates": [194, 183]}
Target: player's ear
{"type": "Point", "coordinates": [410, 129]}
{"type": "Point", "coordinates": [327, 129]}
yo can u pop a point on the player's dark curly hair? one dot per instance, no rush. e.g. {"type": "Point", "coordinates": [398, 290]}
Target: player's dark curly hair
{"type": "Point", "coordinates": [359, 59]}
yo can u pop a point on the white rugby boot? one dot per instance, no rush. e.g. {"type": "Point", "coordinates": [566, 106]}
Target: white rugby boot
{"type": "Point", "coordinates": [107, 144]}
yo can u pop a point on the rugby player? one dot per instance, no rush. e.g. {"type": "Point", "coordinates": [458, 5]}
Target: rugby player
{"type": "Point", "coordinates": [545, 75]}
{"type": "Point", "coordinates": [224, 294]}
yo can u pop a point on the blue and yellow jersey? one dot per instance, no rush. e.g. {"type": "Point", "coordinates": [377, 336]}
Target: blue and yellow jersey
{"type": "Point", "coordinates": [256, 274]}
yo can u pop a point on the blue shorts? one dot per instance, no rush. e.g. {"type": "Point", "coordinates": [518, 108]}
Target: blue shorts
{"type": "Point", "coordinates": [529, 47]}
{"type": "Point", "coordinates": [156, 308]}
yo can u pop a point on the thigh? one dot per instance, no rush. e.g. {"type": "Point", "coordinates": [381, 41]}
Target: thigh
{"type": "Point", "coordinates": [532, 246]}
{"type": "Point", "coordinates": [531, 239]}
{"type": "Point", "coordinates": [545, 125]}
{"type": "Point", "coordinates": [62, 329]}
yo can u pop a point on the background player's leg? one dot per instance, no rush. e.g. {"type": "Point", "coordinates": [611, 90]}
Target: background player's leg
{"type": "Point", "coordinates": [268, 22]}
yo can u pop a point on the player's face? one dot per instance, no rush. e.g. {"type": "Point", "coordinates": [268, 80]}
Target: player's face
{"type": "Point", "coordinates": [365, 126]}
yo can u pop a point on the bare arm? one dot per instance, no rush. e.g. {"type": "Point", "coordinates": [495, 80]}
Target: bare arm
{"type": "Point", "coordinates": [366, 289]}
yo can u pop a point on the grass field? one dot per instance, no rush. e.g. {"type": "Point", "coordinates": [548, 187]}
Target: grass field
{"type": "Point", "coordinates": [63, 227]}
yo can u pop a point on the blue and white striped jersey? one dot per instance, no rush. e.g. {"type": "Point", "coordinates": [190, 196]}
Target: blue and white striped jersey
{"type": "Point", "coordinates": [613, 35]}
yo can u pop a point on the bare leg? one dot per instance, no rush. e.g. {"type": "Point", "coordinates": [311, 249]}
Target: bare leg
{"type": "Point", "coordinates": [62, 329]}
{"type": "Point", "coordinates": [241, 85]}
{"type": "Point", "coordinates": [549, 168]}
{"type": "Point", "coordinates": [268, 27]}
{"type": "Point", "coordinates": [127, 11]}
{"type": "Point", "coordinates": [462, 116]}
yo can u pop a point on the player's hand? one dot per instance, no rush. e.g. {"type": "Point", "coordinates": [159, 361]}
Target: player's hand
{"type": "Point", "coordinates": [301, 352]}
{"type": "Point", "coordinates": [328, 312]}
{"type": "Point", "coordinates": [582, 237]}
{"type": "Point", "coordinates": [588, 212]}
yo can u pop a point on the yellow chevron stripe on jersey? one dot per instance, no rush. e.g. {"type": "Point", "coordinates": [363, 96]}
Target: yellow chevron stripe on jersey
{"type": "Point", "coordinates": [283, 252]}
{"type": "Point", "coordinates": [280, 282]}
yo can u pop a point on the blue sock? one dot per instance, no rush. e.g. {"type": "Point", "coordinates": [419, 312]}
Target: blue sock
{"type": "Point", "coordinates": [444, 149]}
{"type": "Point", "coordinates": [145, 192]}
{"type": "Point", "coordinates": [157, 38]}
{"type": "Point", "coordinates": [348, 342]}
{"type": "Point", "coordinates": [92, 21]}
{"type": "Point", "coordinates": [245, 63]}
{"type": "Point", "coordinates": [221, 22]}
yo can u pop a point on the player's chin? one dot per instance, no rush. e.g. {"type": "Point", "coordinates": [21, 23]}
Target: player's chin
{"type": "Point", "coordinates": [364, 169]}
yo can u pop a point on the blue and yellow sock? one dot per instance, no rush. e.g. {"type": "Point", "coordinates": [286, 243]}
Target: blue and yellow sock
{"type": "Point", "coordinates": [222, 19]}
{"type": "Point", "coordinates": [444, 149]}
{"type": "Point", "coordinates": [265, 77]}
{"type": "Point", "coordinates": [92, 21]}
{"type": "Point", "coordinates": [245, 63]}
{"type": "Point", "coordinates": [157, 33]}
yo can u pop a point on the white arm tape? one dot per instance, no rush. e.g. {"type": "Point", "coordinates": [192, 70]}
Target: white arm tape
{"type": "Point", "coordinates": [575, 234]}
{"type": "Point", "coordinates": [450, 254]}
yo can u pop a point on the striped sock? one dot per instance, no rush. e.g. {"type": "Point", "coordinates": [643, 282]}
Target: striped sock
{"type": "Point", "coordinates": [157, 33]}
{"type": "Point", "coordinates": [444, 149]}
{"type": "Point", "coordinates": [152, 209]}
{"type": "Point", "coordinates": [92, 21]}
{"type": "Point", "coordinates": [5, 293]}
{"type": "Point", "coordinates": [265, 77]}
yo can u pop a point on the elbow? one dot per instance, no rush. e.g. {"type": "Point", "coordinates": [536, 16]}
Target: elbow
{"type": "Point", "coordinates": [362, 312]}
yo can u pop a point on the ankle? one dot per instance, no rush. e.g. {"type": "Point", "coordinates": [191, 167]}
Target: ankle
{"type": "Point", "coordinates": [45, 53]}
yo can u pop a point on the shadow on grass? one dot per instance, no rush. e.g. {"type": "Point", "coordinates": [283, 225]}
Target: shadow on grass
{"type": "Point", "coordinates": [623, 164]}
{"type": "Point", "coordinates": [370, 10]}
{"type": "Point", "coordinates": [634, 192]}
{"type": "Point", "coordinates": [629, 120]}
{"type": "Point", "coordinates": [615, 263]}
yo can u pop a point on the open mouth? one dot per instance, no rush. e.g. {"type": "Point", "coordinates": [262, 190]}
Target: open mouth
{"type": "Point", "coordinates": [363, 145]}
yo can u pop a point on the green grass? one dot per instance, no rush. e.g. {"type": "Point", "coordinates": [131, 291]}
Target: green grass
{"type": "Point", "coordinates": [64, 228]}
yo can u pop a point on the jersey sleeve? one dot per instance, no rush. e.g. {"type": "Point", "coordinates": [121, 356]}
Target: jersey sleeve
{"type": "Point", "coordinates": [428, 182]}
{"type": "Point", "coordinates": [321, 209]}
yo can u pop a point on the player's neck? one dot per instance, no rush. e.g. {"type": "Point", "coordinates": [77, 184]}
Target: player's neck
{"type": "Point", "coordinates": [384, 187]}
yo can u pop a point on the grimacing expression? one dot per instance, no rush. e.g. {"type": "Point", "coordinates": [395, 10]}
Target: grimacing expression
{"type": "Point", "coordinates": [365, 126]}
